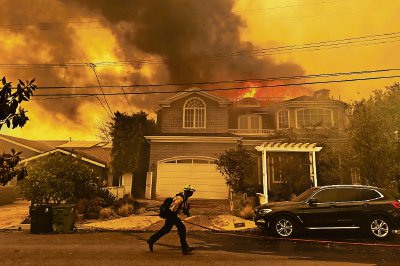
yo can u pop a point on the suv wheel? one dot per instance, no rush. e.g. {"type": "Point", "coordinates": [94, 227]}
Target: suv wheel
{"type": "Point", "coordinates": [283, 226]}
{"type": "Point", "coordinates": [379, 227]}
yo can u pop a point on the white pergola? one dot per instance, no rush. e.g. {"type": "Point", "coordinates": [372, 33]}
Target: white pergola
{"type": "Point", "coordinates": [311, 148]}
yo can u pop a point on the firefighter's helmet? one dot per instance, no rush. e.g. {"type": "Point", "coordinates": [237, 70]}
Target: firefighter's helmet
{"type": "Point", "coordinates": [189, 188]}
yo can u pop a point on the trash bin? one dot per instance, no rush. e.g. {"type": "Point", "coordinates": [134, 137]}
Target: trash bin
{"type": "Point", "coordinates": [63, 218]}
{"type": "Point", "coordinates": [41, 219]}
{"type": "Point", "coordinates": [262, 199]}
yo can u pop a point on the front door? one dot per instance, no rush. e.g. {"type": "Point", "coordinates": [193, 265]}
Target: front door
{"type": "Point", "coordinates": [325, 212]}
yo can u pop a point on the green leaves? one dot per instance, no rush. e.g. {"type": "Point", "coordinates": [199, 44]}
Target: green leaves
{"type": "Point", "coordinates": [9, 169]}
{"type": "Point", "coordinates": [374, 144]}
{"type": "Point", "coordinates": [129, 145]}
{"type": "Point", "coordinates": [236, 166]}
{"type": "Point", "coordinates": [10, 101]}
{"type": "Point", "coordinates": [58, 177]}
{"type": "Point", "coordinates": [13, 117]}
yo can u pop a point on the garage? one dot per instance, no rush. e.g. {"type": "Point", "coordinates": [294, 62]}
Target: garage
{"type": "Point", "coordinates": [173, 174]}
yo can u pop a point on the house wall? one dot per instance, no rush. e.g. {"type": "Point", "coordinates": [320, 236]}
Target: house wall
{"type": "Point", "coordinates": [171, 118]}
{"type": "Point", "coordinates": [161, 150]}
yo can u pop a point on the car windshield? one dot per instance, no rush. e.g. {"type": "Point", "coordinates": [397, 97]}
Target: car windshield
{"type": "Point", "coordinates": [305, 195]}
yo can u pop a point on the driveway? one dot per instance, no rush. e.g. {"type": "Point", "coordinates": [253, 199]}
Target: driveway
{"type": "Point", "coordinates": [11, 215]}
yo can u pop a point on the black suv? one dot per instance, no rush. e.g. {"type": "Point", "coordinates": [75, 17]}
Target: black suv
{"type": "Point", "coordinates": [333, 207]}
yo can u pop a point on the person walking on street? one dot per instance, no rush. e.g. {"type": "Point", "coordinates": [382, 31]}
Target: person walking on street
{"type": "Point", "coordinates": [179, 203]}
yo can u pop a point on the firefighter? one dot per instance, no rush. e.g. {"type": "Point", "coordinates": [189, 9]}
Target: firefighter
{"type": "Point", "coordinates": [179, 203]}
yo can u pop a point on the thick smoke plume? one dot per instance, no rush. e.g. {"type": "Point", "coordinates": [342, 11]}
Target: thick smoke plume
{"type": "Point", "coordinates": [177, 36]}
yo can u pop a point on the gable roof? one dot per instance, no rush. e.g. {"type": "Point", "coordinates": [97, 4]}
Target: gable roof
{"type": "Point", "coordinates": [82, 144]}
{"type": "Point", "coordinates": [96, 151]}
{"type": "Point", "coordinates": [87, 157]}
{"type": "Point", "coordinates": [102, 155]}
{"type": "Point", "coordinates": [166, 102]}
{"type": "Point", "coordinates": [33, 145]}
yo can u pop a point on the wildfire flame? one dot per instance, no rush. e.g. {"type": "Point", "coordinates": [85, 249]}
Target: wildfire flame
{"type": "Point", "coordinates": [255, 90]}
{"type": "Point", "coordinates": [250, 94]}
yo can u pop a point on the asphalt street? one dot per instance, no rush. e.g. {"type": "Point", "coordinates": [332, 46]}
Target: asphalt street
{"type": "Point", "coordinates": [128, 248]}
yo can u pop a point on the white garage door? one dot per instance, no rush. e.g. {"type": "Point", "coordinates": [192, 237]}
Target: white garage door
{"type": "Point", "coordinates": [202, 174]}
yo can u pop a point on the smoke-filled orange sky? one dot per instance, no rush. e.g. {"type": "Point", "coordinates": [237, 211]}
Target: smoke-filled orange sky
{"type": "Point", "coordinates": [175, 36]}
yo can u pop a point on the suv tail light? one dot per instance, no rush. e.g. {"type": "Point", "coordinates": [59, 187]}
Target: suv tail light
{"type": "Point", "coordinates": [396, 204]}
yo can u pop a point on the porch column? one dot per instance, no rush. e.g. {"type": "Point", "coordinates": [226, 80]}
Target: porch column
{"type": "Point", "coordinates": [313, 168]}
{"type": "Point", "coordinates": [265, 174]}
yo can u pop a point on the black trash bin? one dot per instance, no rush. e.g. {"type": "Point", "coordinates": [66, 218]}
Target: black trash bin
{"type": "Point", "coordinates": [41, 219]}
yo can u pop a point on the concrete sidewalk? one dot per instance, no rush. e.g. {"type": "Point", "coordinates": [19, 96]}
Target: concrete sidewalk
{"type": "Point", "coordinates": [144, 222]}
{"type": "Point", "coordinates": [207, 214]}
{"type": "Point", "coordinates": [213, 214]}
{"type": "Point", "coordinates": [11, 215]}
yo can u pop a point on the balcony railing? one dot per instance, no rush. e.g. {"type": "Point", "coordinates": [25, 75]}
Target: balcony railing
{"type": "Point", "coordinates": [252, 132]}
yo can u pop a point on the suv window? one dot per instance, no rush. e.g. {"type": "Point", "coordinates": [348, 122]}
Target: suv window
{"type": "Point", "coordinates": [358, 194]}
{"type": "Point", "coordinates": [351, 194]}
{"type": "Point", "coordinates": [370, 194]}
{"type": "Point", "coordinates": [303, 196]}
{"type": "Point", "coordinates": [327, 195]}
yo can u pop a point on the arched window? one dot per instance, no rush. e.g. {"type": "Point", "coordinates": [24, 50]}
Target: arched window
{"type": "Point", "coordinates": [314, 117]}
{"type": "Point", "coordinates": [194, 113]}
{"type": "Point", "coordinates": [283, 119]}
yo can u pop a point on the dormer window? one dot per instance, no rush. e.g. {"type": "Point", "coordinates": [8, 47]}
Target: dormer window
{"type": "Point", "coordinates": [194, 113]}
{"type": "Point", "coordinates": [283, 119]}
{"type": "Point", "coordinates": [249, 122]}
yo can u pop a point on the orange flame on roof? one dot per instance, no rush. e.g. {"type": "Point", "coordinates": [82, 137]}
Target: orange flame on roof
{"type": "Point", "coordinates": [257, 91]}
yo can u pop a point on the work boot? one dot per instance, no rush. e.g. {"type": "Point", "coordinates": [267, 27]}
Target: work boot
{"type": "Point", "coordinates": [186, 251]}
{"type": "Point", "coordinates": [150, 245]}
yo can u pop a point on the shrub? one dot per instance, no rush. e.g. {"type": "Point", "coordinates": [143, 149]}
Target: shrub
{"type": "Point", "coordinates": [127, 199]}
{"type": "Point", "coordinates": [235, 165]}
{"type": "Point", "coordinates": [57, 178]}
{"type": "Point", "coordinates": [107, 213]}
{"type": "Point", "coordinates": [108, 198]}
{"type": "Point", "coordinates": [94, 205]}
{"type": "Point", "coordinates": [81, 205]}
{"type": "Point", "coordinates": [7, 195]}
{"type": "Point", "coordinates": [125, 210]}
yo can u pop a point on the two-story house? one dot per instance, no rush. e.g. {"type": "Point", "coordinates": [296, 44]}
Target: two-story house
{"type": "Point", "coordinates": [195, 126]}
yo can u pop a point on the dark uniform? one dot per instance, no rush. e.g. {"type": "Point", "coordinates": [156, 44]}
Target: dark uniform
{"type": "Point", "coordinates": [179, 204]}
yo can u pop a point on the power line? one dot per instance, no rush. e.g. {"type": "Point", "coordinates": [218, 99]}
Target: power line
{"type": "Point", "coordinates": [224, 89]}
{"type": "Point", "coordinates": [287, 6]}
{"type": "Point", "coordinates": [364, 38]}
{"type": "Point", "coordinates": [41, 24]}
{"type": "Point", "coordinates": [68, 97]}
{"type": "Point", "coordinates": [322, 15]}
{"type": "Point", "coordinates": [126, 98]}
{"type": "Point", "coordinates": [312, 46]}
{"type": "Point", "coordinates": [335, 74]}
{"type": "Point", "coordinates": [93, 67]}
